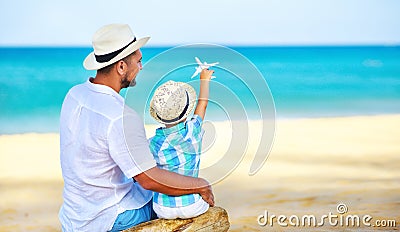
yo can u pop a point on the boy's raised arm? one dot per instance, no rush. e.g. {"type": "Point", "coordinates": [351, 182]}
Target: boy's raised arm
{"type": "Point", "coordinates": [205, 77]}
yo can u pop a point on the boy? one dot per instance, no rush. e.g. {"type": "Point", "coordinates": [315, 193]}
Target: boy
{"type": "Point", "coordinates": [177, 146]}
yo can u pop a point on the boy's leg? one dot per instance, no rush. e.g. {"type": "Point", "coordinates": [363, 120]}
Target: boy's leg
{"type": "Point", "coordinates": [134, 217]}
{"type": "Point", "coordinates": [194, 210]}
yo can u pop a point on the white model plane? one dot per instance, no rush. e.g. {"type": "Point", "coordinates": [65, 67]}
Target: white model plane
{"type": "Point", "coordinates": [202, 66]}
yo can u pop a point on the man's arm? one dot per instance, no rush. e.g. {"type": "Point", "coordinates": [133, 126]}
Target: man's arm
{"type": "Point", "coordinates": [174, 184]}
{"type": "Point", "coordinates": [202, 102]}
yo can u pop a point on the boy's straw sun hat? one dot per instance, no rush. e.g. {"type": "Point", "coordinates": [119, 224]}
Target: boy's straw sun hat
{"type": "Point", "coordinates": [172, 102]}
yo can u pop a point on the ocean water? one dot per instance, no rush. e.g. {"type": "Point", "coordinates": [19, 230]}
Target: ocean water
{"type": "Point", "coordinates": [303, 81]}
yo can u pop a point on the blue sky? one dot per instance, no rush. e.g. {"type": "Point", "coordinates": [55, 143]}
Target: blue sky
{"type": "Point", "coordinates": [227, 22]}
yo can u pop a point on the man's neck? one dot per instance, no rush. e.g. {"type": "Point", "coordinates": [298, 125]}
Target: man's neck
{"type": "Point", "coordinates": [107, 81]}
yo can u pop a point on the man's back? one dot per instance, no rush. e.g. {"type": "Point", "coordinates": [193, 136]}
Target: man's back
{"type": "Point", "coordinates": [93, 152]}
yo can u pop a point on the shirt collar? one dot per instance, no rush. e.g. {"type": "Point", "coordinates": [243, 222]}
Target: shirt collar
{"type": "Point", "coordinates": [171, 130]}
{"type": "Point", "coordinates": [103, 89]}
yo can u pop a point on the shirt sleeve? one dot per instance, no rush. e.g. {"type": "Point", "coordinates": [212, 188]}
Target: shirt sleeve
{"type": "Point", "coordinates": [194, 127]}
{"type": "Point", "coordinates": [128, 145]}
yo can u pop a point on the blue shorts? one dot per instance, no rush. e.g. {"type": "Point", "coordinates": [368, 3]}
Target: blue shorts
{"type": "Point", "coordinates": [133, 217]}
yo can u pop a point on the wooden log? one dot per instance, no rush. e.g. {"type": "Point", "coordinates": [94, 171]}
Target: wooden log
{"type": "Point", "coordinates": [214, 220]}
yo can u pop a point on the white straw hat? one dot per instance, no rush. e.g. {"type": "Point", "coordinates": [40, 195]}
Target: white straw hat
{"type": "Point", "coordinates": [112, 43]}
{"type": "Point", "coordinates": [172, 102]}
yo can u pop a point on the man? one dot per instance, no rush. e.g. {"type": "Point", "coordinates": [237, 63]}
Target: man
{"type": "Point", "coordinates": [106, 163]}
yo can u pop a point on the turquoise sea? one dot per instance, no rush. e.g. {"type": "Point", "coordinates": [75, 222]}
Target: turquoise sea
{"type": "Point", "coordinates": [304, 82]}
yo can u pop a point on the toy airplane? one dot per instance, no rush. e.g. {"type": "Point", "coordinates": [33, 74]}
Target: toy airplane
{"type": "Point", "coordinates": [202, 66]}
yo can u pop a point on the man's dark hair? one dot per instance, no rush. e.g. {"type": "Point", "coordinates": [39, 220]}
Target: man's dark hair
{"type": "Point", "coordinates": [107, 69]}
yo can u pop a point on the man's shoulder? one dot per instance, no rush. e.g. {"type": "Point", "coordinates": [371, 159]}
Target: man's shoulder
{"type": "Point", "coordinates": [107, 105]}
{"type": "Point", "coordinates": [78, 90]}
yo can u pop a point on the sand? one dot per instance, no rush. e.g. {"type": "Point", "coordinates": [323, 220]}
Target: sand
{"type": "Point", "coordinates": [314, 165]}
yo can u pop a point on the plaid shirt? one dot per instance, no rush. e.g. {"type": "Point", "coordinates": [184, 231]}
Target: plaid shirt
{"type": "Point", "coordinates": [178, 149]}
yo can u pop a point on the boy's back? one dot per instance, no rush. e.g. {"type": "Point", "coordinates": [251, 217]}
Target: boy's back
{"type": "Point", "coordinates": [178, 149]}
{"type": "Point", "coordinates": [177, 146]}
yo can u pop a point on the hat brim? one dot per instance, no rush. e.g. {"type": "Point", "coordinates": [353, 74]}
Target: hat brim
{"type": "Point", "coordinates": [192, 102]}
{"type": "Point", "coordinates": [90, 62]}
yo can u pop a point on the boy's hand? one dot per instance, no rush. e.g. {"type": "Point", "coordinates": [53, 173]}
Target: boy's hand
{"type": "Point", "coordinates": [206, 74]}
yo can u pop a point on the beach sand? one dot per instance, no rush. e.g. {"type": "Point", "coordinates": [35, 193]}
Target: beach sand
{"type": "Point", "coordinates": [314, 165]}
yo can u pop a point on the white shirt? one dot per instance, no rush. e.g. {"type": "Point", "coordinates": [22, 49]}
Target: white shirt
{"type": "Point", "coordinates": [103, 145]}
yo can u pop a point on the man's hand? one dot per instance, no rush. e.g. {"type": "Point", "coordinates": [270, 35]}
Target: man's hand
{"type": "Point", "coordinates": [207, 195]}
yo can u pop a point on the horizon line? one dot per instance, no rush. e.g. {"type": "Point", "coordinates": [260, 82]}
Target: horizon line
{"type": "Point", "coordinates": [226, 45]}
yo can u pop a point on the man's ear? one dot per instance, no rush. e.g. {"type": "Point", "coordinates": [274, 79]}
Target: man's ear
{"type": "Point", "coordinates": [121, 67]}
